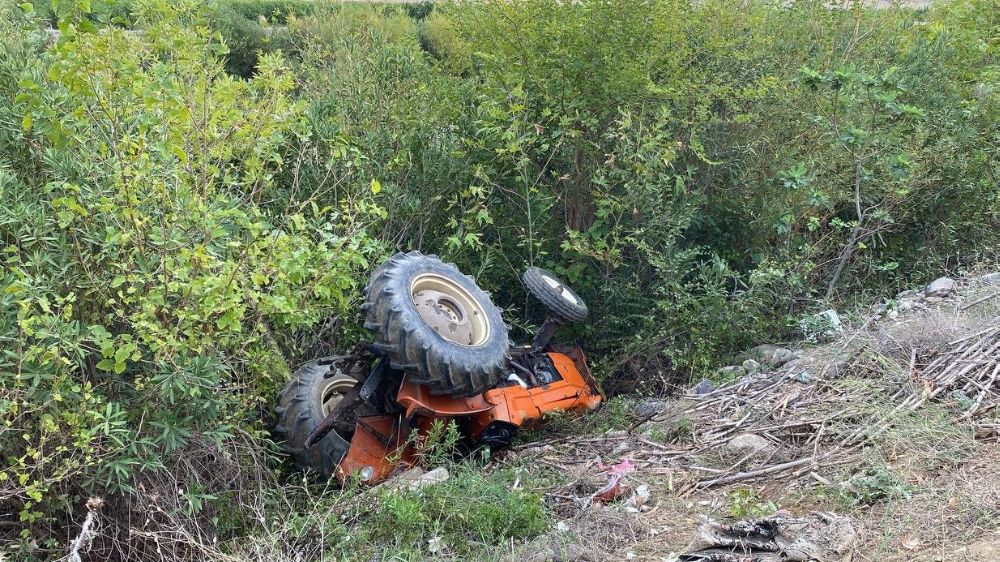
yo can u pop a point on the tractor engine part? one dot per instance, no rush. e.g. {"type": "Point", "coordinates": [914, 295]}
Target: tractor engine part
{"type": "Point", "coordinates": [436, 324]}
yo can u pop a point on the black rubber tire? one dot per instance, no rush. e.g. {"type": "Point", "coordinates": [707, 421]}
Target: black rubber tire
{"type": "Point", "coordinates": [410, 343]}
{"type": "Point", "coordinates": [300, 409]}
{"type": "Point", "coordinates": [553, 298]}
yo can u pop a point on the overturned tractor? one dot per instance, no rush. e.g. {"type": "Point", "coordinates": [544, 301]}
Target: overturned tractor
{"type": "Point", "coordinates": [441, 352]}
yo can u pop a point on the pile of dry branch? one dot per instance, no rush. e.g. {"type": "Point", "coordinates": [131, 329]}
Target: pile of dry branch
{"type": "Point", "coordinates": [812, 415]}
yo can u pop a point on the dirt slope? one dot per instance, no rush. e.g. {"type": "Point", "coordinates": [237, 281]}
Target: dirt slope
{"type": "Point", "coordinates": [893, 424]}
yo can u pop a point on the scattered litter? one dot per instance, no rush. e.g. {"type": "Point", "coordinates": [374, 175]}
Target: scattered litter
{"type": "Point", "coordinates": [615, 487]}
{"type": "Point", "coordinates": [819, 536]}
{"type": "Point", "coordinates": [639, 498]}
{"type": "Point", "coordinates": [435, 545]}
{"type": "Point", "coordinates": [822, 327]}
{"type": "Point", "coordinates": [622, 468]}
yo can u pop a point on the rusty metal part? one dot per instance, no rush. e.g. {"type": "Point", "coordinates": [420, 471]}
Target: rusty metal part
{"type": "Point", "coordinates": [513, 404]}
{"type": "Point", "coordinates": [545, 333]}
{"type": "Point", "coordinates": [379, 446]}
{"type": "Point", "coordinates": [347, 402]}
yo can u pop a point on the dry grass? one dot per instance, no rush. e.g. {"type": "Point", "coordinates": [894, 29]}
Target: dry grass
{"type": "Point", "coordinates": [916, 479]}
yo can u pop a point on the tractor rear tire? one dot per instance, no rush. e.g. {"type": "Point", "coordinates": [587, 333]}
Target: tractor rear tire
{"type": "Point", "coordinates": [302, 405]}
{"type": "Point", "coordinates": [436, 324]}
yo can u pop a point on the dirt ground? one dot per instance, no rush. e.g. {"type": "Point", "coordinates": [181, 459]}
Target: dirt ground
{"type": "Point", "coordinates": [892, 424]}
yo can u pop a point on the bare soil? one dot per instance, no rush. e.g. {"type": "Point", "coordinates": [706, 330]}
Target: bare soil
{"type": "Point", "coordinates": [893, 425]}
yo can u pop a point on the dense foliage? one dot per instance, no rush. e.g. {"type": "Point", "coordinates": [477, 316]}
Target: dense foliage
{"type": "Point", "coordinates": [191, 196]}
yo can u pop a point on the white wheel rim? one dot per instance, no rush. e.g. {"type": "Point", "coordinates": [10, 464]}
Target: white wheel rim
{"type": "Point", "coordinates": [334, 391]}
{"type": "Point", "coordinates": [450, 310]}
{"type": "Point", "coordinates": [564, 292]}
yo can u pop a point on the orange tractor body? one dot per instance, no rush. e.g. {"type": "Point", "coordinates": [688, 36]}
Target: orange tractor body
{"type": "Point", "coordinates": [383, 443]}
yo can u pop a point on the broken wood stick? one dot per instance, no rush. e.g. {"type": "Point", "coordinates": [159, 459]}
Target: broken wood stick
{"type": "Point", "coordinates": [739, 476]}
{"type": "Point", "coordinates": [979, 301]}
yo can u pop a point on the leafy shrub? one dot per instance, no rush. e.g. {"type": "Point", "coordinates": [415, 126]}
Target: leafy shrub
{"type": "Point", "coordinates": [701, 192]}
{"type": "Point", "coordinates": [247, 36]}
{"type": "Point", "coordinates": [439, 37]}
{"type": "Point", "coordinates": [115, 12]}
{"type": "Point", "coordinates": [150, 296]}
{"type": "Point", "coordinates": [651, 162]}
{"type": "Point", "coordinates": [874, 485]}
{"type": "Point", "coordinates": [744, 502]}
{"type": "Point", "coordinates": [704, 174]}
{"type": "Point", "coordinates": [274, 11]}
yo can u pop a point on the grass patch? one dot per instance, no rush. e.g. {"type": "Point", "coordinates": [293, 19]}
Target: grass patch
{"type": "Point", "coordinates": [457, 518]}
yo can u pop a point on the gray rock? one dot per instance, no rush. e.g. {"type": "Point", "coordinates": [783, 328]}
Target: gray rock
{"type": "Point", "coordinates": [416, 478]}
{"type": "Point", "coordinates": [991, 278]}
{"type": "Point", "coordinates": [650, 407]}
{"type": "Point", "coordinates": [751, 366]}
{"type": "Point", "coordinates": [704, 387]}
{"type": "Point", "coordinates": [940, 287]}
{"type": "Point", "coordinates": [772, 356]}
{"type": "Point", "coordinates": [732, 371]}
{"type": "Point", "coordinates": [749, 444]}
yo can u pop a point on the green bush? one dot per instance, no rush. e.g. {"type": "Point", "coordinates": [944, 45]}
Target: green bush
{"type": "Point", "coordinates": [704, 174]}
{"type": "Point", "coordinates": [439, 37]}
{"type": "Point", "coordinates": [150, 298]}
{"type": "Point", "coordinates": [698, 171]}
{"type": "Point", "coordinates": [274, 11]}
{"type": "Point", "coordinates": [246, 39]}
{"type": "Point", "coordinates": [690, 169]}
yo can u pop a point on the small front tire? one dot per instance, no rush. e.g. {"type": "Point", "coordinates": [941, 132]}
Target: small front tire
{"type": "Point", "coordinates": [562, 302]}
